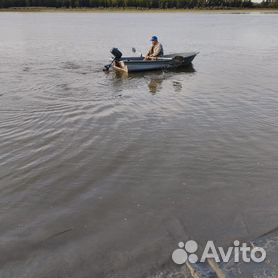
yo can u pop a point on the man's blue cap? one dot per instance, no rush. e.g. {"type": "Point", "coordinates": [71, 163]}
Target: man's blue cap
{"type": "Point", "coordinates": [154, 38]}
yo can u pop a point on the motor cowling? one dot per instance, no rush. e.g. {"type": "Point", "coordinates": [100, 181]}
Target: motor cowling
{"type": "Point", "coordinates": [116, 53]}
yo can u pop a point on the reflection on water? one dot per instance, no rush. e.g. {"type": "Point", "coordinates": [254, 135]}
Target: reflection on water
{"type": "Point", "coordinates": [177, 86]}
{"type": "Point", "coordinates": [154, 85]}
{"type": "Point", "coordinates": [155, 79]}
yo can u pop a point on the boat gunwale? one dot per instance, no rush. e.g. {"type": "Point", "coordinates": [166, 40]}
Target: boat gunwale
{"type": "Point", "coordinates": [168, 56]}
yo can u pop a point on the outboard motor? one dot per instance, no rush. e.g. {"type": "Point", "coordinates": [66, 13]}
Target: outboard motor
{"type": "Point", "coordinates": [116, 53]}
{"type": "Point", "coordinates": [117, 56]}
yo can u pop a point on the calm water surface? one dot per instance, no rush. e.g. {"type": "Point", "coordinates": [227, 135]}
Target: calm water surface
{"type": "Point", "coordinates": [103, 174]}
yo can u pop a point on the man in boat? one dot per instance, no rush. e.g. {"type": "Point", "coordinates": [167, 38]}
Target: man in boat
{"type": "Point", "coordinates": [156, 49]}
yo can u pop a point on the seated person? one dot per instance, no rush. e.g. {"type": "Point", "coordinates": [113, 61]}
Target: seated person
{"type": "Point", "coordinates": [156, 49]}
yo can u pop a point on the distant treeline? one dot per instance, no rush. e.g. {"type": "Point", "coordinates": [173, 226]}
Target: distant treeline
{"type": "Point", "coordinates": [139, 4]}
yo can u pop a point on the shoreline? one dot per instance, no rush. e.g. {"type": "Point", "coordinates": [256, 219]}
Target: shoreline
{"type": "Point", "coordinates": [135, 10]}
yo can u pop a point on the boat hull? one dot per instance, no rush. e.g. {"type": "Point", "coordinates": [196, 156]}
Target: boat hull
{"type": "Point", "coordinates": [137, 64]}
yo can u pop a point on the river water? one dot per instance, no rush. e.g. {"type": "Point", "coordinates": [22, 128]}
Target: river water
{"type": "Point", "coordinates": [103, 174]}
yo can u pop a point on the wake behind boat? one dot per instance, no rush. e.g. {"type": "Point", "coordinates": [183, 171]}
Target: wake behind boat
{"type": "Point", "coordinates": [137, 64]}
